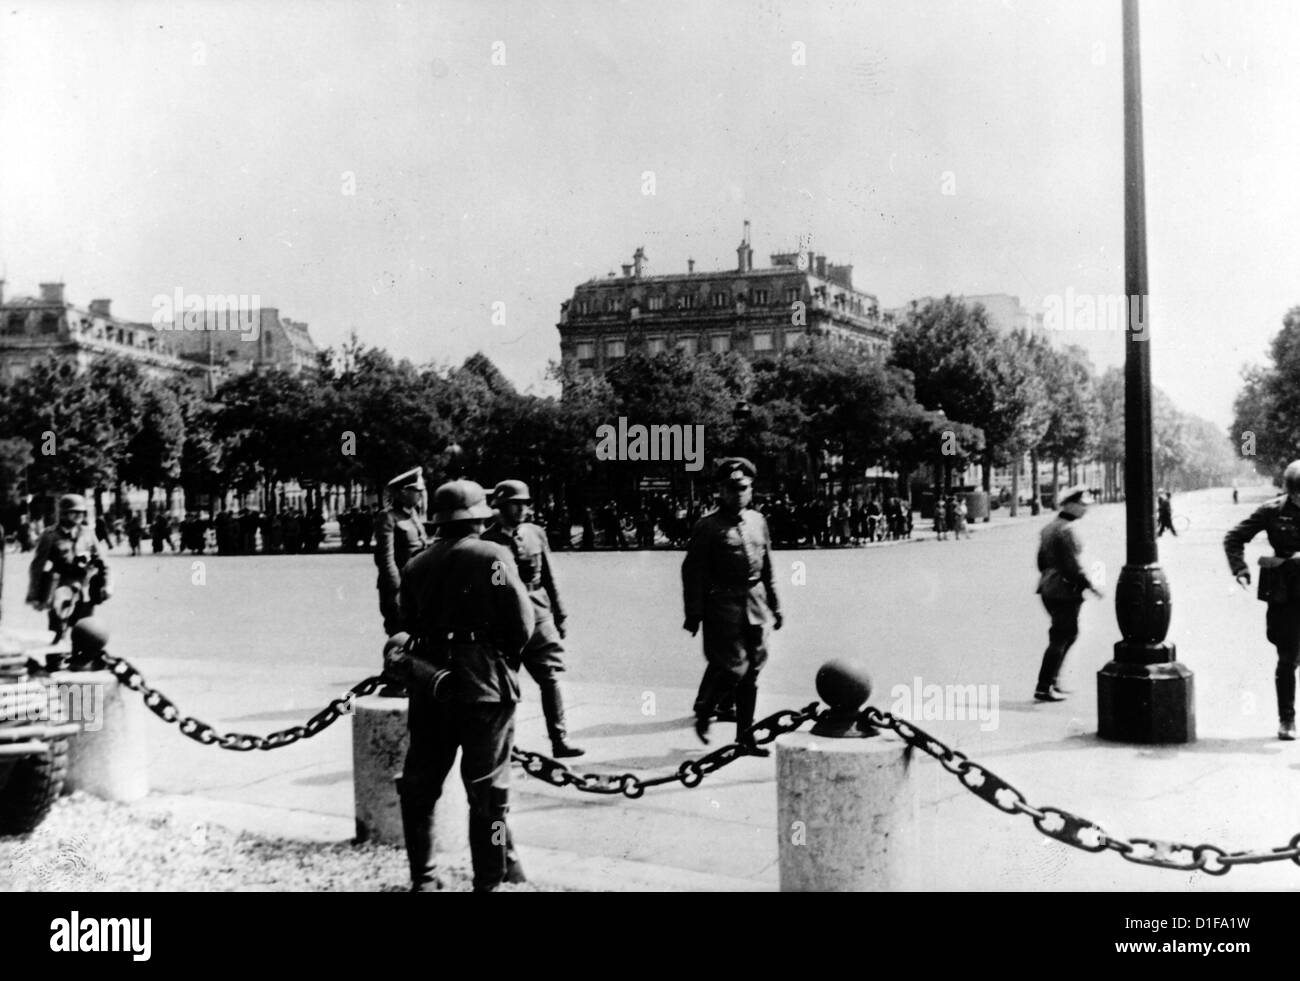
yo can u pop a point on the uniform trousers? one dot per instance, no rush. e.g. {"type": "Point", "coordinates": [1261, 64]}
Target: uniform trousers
{"type": "Point", "coordinates": [1060, 637]}
{"type": "Point", "coordinates": [1283, 624]}
{"type": "Point", "coordinates": [484, 732]}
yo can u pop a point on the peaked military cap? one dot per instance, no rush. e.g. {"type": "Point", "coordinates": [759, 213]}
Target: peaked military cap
{"type": "Point", "coordinates": [72, 502]}
{"type": "Point", "coordinates": [735, 470]}
{"type": "Point", "coordinates": [1074, 495]}
{"type": "Point", "coordinates": [412, 478]}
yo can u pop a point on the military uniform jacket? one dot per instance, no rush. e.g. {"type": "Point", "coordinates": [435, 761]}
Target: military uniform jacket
{"type": "Point", "coordinates": [68, 556]}
{"type": "Point", "coordinates": [465, 601]}
{"type": "Point", "coordinates": [1281, 520]}
{"type": "Point", "coordinates": [398, 537]}
{"type": "Point", "coordinates": [533, 557]}
{"type": "Point", "coordinates": [727, 572]}
{"type": "Point", "coordinates": [1061, 577]}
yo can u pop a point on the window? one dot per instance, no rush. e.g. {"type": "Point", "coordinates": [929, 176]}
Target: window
{"type": "Point", "coordinates": [792, 295]}
{"type": "Point", "coordinates": [655, 303]}
{"type": "Point", "coordinates": [584, 307]}
{"type": "Point", "coordinates": [615, 349]}
{"type": "Point", "coordinates": [720, 343]}
{"type": "Point", "coordinates": [760, 298]}
{"type": "Point", "coordinates": [584, 350]}
{"type": "Point", "coordinates": [655, 345]}
{"type": "Point", "coordinates": [688, 345]}
{"type": "Point", "coordinates": [763, 340]}
{"type": "Point", "coordinates": [719, 300]}
{"type": "Point", "coordinates": [687, 302]}
{"type": "Point", "coordinates": [50, 323]}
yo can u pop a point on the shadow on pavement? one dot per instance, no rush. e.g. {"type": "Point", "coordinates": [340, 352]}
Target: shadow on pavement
{"type": "Point", "coordinates": [633, 729]}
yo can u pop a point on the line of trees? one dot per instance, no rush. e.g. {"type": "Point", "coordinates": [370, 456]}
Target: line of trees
{"type": "Point", "coordinates": [1266, 423]}
{"type": "Point", "coordinates": [952, 391]}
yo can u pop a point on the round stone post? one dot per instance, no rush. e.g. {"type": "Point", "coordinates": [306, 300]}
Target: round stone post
{"type": "Point", "coordinates": [109, 758]}
{"type": "Point", "coordinates": [848, 814]}
{"type": "Point", "coordinates": [379, 742]}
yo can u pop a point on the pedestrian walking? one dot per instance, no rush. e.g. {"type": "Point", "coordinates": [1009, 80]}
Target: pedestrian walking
{"type": "Point", "coordinates": [543, 655]}
{"type": "Point", "coordinates": [959, 514]}
{"type": "Point", "coordinates": [1165, 514]}
{"type": "Point", "coordinates": [68, 576]}
{"type": "Point", "coordinates": [1279, 585]}
{"type": "Point", "coordinates": [1061, 584]}
{"type": "Point", "coordinates": [469, 617]}
{"type": "Point", "coordinates": [727, 587]}
{"type": "Point", "coordinates": [399, 536]}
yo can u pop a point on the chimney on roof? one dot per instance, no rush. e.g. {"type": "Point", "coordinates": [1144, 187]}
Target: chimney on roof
{"type": "Point", "coordinates": [638, 261]}
{"type": "Point", "coordinates": [52, 292]}
{"type": "Point", "coordinates": [821, 266]}
{"type": "Point", "coordinates": [100, 308]}
{"type": "Point", "coordinates": [744, 253]}
{"type": "Point", "coordinates": [690, 268]}
{"type": "Point", "coordinates": [627, 269]}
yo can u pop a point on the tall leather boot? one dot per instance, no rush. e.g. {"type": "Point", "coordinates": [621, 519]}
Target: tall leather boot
{"type": "Point", "coordinates": [488, 855]}
{"type": "Point", "coordinates": [746, 702]}
{"type": "Point", "coordinates": [553, 709]}
{"type": "Point", "coordinates": [417, 830]}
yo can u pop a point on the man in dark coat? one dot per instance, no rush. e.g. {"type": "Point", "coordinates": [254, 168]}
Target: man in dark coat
{"type": "Point", "coordinates": [727, 587]}
{"type": "Point", "coordinates": [1061, 584]}
{"type": "Point", "coordinates": [1279, 585]}
{"type": "Point", "coordinates": [469, 617]}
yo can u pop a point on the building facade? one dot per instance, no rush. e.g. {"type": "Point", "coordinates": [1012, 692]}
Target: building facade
{"type": "Point", "coordinates": [756, 312]}
{"type": "Point", "coordinates": [34, 328]}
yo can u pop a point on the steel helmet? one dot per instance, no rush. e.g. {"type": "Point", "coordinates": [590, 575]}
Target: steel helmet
{"type": "Point", "coordinates": [459, 500]}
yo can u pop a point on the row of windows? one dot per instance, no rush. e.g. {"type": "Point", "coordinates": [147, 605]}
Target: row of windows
{"type": "Point", "coordinates": [718, 300]}
{"type": "Point", "coordinates": [762, 340]}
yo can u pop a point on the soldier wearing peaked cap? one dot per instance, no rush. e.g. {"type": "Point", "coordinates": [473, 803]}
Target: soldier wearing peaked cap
{"type": "Point", "coordinates": [399, 535]}
{"type": "Point", "coordinates": [543, 656]}
{"type": "Point", "coordinates": [68, 576]}
{"type": "Point", "coordinates": [469, 616]}
{"type": "Point", "coordinates": [727, 587]}
{"type": "Point", "coordinates": [1061, 585]}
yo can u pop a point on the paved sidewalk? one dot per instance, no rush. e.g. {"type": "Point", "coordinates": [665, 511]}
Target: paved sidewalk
{"type": "Point", "coordinates": [1235, 787]}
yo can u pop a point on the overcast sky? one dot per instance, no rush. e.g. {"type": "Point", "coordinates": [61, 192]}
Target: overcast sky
{"type": "Point", "coordinates": [500, 151]}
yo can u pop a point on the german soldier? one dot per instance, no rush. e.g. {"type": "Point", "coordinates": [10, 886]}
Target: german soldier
{"type": "Point", "coordinates": [727, 586]}
{"type": "Point", "coordinates": [1061, 584]}
{"type": "Point", "coordinates": [542, 656]}
{"type": "Point", "coordinates": [470, 617]}
{"type": "Point", "coordinates": [68, 575]}
{"type": "Point", "coordinates": [1279, 585]}
{"type": "Point", "coordinates": [399, 535]}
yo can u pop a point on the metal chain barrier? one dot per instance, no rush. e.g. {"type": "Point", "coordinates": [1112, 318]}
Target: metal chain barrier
{"type": "Point", "coordinates": [1061, 825]}
{"type": "Point", "coordinates": [689, 774]}
{"type": "Point", "coordinates": [240, 742]}
{"type": "Point", "coordinates": [1069, 828]}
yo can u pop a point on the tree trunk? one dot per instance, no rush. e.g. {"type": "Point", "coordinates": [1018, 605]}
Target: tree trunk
{"type": "Point", "coordinates": [1015, 485]}
{"type": "Point", "coordinates": [988, 483]}
{"type": "Point", "coordinates": [1056, 482]}
{"type": "Point", "coordinates": [1034, 506]}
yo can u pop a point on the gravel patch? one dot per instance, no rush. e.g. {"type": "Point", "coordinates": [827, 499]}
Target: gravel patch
{"type": "Point", "coordinates": [90, 845]}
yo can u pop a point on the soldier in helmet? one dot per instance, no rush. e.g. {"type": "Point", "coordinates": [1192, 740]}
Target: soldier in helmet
{"type": "Point", "coordinates": [727, 587]}
{"type": "Point", "coordinates": [68, 575]}
{"type": "Point", "coordinates": [399, 535]}
{"type": "Point", "coordinates": [469, 616]}
{"type": "Point", "coordinates": [543, 655]}
{"type": "Point", "coordinates": [1279, 585]}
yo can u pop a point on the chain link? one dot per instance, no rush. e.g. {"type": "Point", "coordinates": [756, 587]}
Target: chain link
{"type": "Point", "coordinates": [239, 742]}
{"type": "Point", "coordinates": [690, 774]}
{"type": "Point", "coordinates": [1061, 825]}
{"type": "Point", "coordinates": [1078, 832]}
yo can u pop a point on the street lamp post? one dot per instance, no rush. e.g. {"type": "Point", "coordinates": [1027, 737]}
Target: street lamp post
{"type": "Point", "coordinates": [1144, 695]}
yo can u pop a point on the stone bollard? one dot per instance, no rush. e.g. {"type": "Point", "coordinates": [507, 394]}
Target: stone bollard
{"type": "Point", "coordinates": [379, 742]}
{"type": "Point", "coordinates": [109, 758]}
{"type": "Point", "coordinates": [848, 815]}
